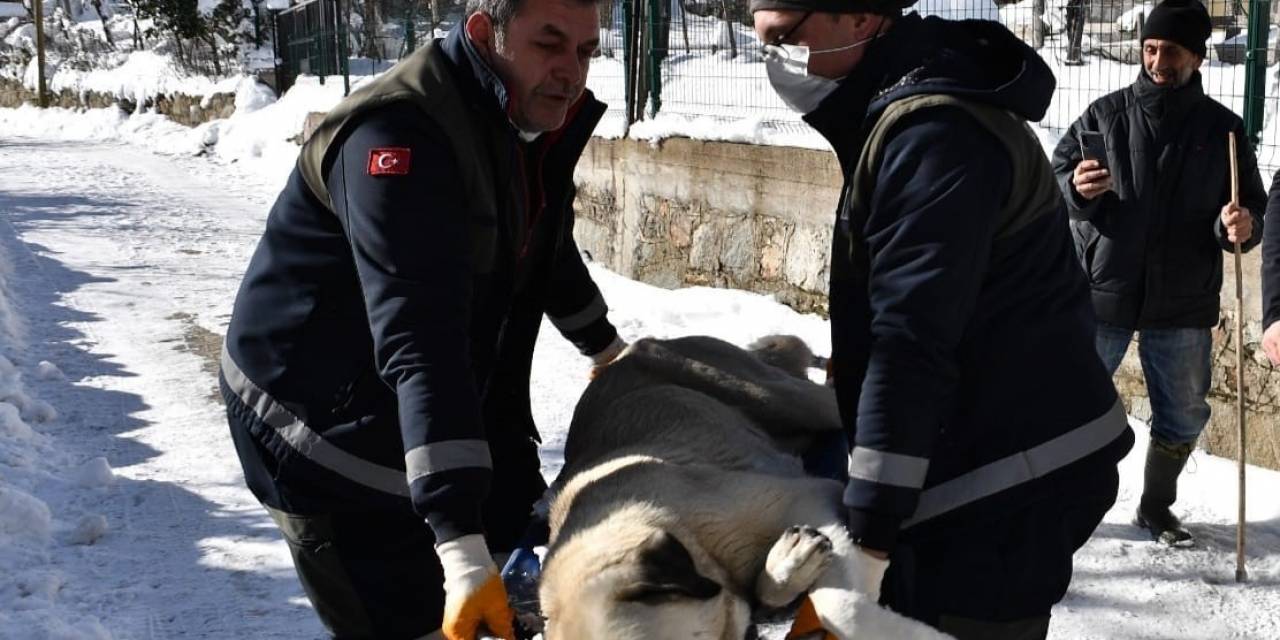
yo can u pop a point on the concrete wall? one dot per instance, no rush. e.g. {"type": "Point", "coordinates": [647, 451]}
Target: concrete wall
{"type": "Point", "coordinates": [183, 109]}
{"type": "Point", "coordinates": [759, 218]}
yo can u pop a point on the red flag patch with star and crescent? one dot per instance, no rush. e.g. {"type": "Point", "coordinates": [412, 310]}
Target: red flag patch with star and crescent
{"type": "Point", "coordinates": [389, 161]}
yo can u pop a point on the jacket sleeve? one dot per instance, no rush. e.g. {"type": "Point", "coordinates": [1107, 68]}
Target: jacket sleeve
{"type": "Point", "coordinates": [575, 304]}
{"type": "Point", "coordinates": [410, 241]}
{"type": "Point", "coordinates": [942, 180]}
{"type": "Point", "coordinates": [1065, 158]}
{"type": "Point", "coordinates": [1271, 256]}
{"type": "Point", "coordinates": [1252, 195]}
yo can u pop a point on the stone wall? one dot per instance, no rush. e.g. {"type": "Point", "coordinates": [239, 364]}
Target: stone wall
{"type": "Point", "coordinates": [759, 218]}
{"type": "Point", "coordinates": [707, 213]}
{"type": "Point", "coordinates": [183, 109]}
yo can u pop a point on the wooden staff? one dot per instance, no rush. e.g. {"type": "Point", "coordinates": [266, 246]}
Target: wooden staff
{"type": "Point", "coordinates": [1241, 574]}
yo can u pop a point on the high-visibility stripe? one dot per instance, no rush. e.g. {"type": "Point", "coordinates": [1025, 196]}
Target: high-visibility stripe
{"type": "Point", "coordinates": [582, 319]}
{"type": "Point", "coordinates": [1021, 467]}
{"type": "Point", "coordinates": [306, 442]}
{"type": "Point", "coordinates": [883, 467]}
{"type": "Point", "coordinates": [446, 455]}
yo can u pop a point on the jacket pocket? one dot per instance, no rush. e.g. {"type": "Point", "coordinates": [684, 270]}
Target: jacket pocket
{"type": "Point", "coordinates": [1086, 239]}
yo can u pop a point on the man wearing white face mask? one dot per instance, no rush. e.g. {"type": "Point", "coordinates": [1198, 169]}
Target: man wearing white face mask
{"type": "Point", "coordinates": [984, 430]}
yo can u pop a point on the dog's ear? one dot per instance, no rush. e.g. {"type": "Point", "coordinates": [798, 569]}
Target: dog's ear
{"type": "Point", "coordinates": [667, 573]}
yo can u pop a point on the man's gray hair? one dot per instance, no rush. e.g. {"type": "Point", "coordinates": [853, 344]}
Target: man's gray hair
{"type": "Point", "coordinates": [502, 11]}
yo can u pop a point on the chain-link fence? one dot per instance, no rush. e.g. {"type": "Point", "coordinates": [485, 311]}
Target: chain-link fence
{"type": "Point", "coordinates": [699, 60]}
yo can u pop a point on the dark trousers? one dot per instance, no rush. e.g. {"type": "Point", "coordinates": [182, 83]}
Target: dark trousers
{"type": "Point", "coordinates": [368, 575]}
{"type": "Point", "coordinates": [997, 575]}
{"type": "Point", "coordinates": [965, 629]}
{"type": "Point", "coordinates": [1177, 368]}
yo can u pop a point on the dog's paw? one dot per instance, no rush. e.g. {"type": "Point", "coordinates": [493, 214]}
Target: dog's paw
{"type": "Point", "coordinates": [796, 560]}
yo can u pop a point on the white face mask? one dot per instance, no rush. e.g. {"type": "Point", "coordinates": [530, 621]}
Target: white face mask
{"type": "Point", "coordinates": [788, 68]}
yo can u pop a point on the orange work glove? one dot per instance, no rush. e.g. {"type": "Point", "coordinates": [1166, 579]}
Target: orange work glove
{"type": "Point", "coordinates": [807, 625]}
{"type": "Point", "coordinates": [475, 600]}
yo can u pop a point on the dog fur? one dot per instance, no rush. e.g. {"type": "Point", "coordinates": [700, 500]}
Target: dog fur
{"type": "Point", "coordinates": [683, 502]}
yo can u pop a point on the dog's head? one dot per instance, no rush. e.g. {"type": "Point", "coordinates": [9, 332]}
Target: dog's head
{"type": "Point", "coordinates": [648, 588]}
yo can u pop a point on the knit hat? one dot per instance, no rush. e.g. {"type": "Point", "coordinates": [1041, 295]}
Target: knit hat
{"type": "Point", "coordinates": [1185, 22]}
{"type": "Point", "coordinates": [883, 7]}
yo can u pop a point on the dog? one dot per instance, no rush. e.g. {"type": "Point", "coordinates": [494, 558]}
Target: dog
{"type": "Point", "coordinates": [683, 501]}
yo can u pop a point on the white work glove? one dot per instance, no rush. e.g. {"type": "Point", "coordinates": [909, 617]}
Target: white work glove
{"type": "Point", "coordinates": [869, 572]}
{"type": "Point", "coordinates": [606, 356]}
{"type": "Point", "coordinates": [474, 599]}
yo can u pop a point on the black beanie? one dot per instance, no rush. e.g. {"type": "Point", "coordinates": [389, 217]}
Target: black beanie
{"type": "Point", "coordinates": [883, 7]}
{"type": "Point", "coordinates": [1185, 22]}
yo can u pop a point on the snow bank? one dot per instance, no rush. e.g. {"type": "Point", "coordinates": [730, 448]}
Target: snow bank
{"type": "Point", "coordinates": [137, 75]}
{"type": "Point", "coordinates": [32, 499]}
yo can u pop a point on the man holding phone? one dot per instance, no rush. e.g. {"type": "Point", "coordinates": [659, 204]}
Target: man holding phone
{"type": "Point", "coordinates": [1146, 177]}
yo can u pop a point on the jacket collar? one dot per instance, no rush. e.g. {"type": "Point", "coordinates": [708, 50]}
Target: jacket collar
{"type": "Point", "coordinates": [481, 84]}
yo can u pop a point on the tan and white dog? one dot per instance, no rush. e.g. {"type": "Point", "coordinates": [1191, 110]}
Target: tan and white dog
{"type": "Point", "coordinates": [683, 502]}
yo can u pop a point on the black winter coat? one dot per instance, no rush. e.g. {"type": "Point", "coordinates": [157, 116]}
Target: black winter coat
{"type": "Point", "coordinates": [956, 347]}
{"type": "Point", "coordinates": [1152, 248]}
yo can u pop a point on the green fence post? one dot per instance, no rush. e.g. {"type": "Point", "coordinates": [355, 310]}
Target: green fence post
{"type": "Point", "coordinates": [654, 57]}
{"type": "Point", "coordinates": [343, 58]}
{"type": "Point", "coordinates": [628, 50]}
{"type": "Point", "coordinates": [410, 33]}
{"type": "Point", "coordinates": [1255, 57]}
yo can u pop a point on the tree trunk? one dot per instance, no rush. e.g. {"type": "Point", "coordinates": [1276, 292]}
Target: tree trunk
{"type": "Point", "coordinates": [106, 31]}
{"type": "Point", "coordinates": [435, 16]}
{"type": "Point", "coordinates": [177, 40]}
{"type": "Point", "coordinates": [212, 41]}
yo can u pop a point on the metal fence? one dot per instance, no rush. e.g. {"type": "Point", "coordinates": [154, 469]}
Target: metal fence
{"type": "Point", "coordinates": [309, 41]}
{"type": "Point", "coordinates": [699, 60]}
{"type": "Point", "coordinates": [711, 65]}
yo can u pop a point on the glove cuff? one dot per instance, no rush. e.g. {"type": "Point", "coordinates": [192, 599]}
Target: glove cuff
{"type": "Point", "coordinates": [466, 562]}
{"type": "Point", "coordinates": [609, 353]}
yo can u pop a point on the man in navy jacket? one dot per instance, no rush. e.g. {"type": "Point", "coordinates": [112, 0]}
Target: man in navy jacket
{"type": "Point", "coordinates": [985, 432]}
{"type": "Point", "coordinates": [377, 362]}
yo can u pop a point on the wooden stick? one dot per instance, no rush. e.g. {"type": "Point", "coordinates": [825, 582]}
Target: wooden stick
{"type": "Point", "coordinates": [1241, 574]}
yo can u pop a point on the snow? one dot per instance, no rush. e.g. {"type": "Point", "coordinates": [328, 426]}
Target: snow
{"type": "Point", "coordinates": [90, 528]}
{"type": "Point", "coordinates": [139, 75]}
{"type": "Point", "coordinates": [12, 10]}
{"type": "Point", "coordinates": [46, 370]}
{"type": "Point", "coordinates": [93, 474]}
{"type": "Point", "coordinates": [1130, 19]}
{"type": "Point", "coordinates": [126, 515]}
{"type": "Point", "coordinates": [23, 515]}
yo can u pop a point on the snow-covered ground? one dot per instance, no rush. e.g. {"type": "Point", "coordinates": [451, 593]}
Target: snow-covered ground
{"type": "Point", "coordinates": [122, 513]}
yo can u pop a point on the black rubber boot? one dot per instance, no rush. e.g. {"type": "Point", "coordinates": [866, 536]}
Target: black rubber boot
{"type": "Point", "coordinates": [1160, 490]}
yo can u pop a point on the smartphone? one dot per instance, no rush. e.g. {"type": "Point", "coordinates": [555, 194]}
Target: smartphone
{"type": "Point", "coordinates": [1093, 146]}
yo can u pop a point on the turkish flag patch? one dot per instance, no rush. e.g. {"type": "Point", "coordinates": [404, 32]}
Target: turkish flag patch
{"type": "Point", "coordinates": [389, 161]}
